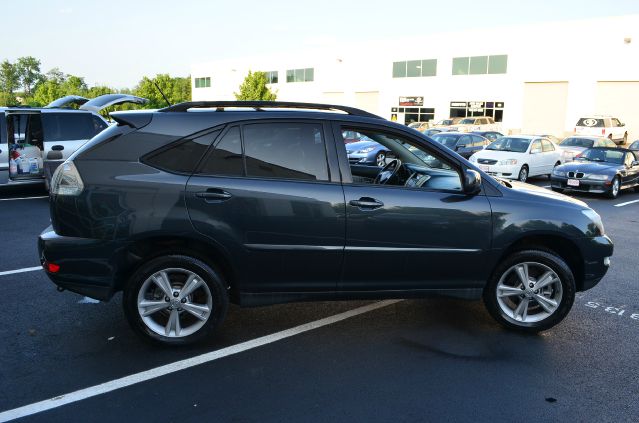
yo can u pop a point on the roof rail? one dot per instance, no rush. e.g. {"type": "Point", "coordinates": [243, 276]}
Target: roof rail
{"type": "Point", "coordinates": [258, 105]}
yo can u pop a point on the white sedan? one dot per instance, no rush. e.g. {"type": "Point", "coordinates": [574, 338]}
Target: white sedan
{"type": "Point", "coordinates": [518, 157]}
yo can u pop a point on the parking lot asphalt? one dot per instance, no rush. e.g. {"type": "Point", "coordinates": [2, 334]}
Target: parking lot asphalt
{"type": "Point", "coordinates": [435, 359]}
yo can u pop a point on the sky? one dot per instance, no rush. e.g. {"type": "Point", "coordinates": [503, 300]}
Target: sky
{"type": "Point", "coordinates": [117, 42]}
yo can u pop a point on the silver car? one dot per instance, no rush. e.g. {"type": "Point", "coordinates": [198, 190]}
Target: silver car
{"type": "Point", "coordinates": [572, 146]}
{"type": "Point", "coordinates": [35, 141]}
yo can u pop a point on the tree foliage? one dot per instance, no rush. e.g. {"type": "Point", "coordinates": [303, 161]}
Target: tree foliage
{"type": "Point", "coordinates": [176, 90]}
{"type": "Point", "coordinates": [23, 83]}
{"type": "Point", "coordinates": [254, 88]}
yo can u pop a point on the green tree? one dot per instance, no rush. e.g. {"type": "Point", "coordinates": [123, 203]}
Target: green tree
{"type": "Point", "coordinates": [177, 90]}
{"type": "Point", "coordinates": [99, 90]}
{"type": "Point", "coordinates": [28, 69]}
{"type": "Point", "coordinates": [9, 79]}
{"type": "Point", "coordinates": [74, 85]}
{"type": "Point", "coordinates": [254, 88]}
{"type": "Point", "coordinates": [46, 92]}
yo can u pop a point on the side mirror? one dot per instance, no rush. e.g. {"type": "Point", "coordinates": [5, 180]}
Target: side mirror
{"type": "Point", "coordinates": [623, 124]}
{"type": "Point", "coordinates": [472, 182]}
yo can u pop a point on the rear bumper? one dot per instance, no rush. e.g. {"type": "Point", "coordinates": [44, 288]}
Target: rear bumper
{"type": "Point", "coordinates": [87, 266]}
{"type": "Point", "coordinates": [597, 253]}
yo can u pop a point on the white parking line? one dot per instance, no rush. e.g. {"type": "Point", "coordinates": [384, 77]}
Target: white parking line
{"type": "Point", "coordinates": [26, 269]}
{"type": "Point", "coordinates": [123, 382]}
{"type": "Point", "coordinates": [626, 203]}
{"type": "Point", "coordinates": [23, 198]}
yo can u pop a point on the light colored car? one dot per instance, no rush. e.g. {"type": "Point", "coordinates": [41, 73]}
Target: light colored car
{"type": "Point", "coordinates": [602, 126]}
{"type": "Point", "coordinates": [518, 157]}
{"type": "Point", "coordinates": [35, 141]}
{"type": "Point", "coordinates": [443, 123]}
{"type": "Point", "coordinates": [472, 124]}
{"type": "Point", "coordinates": [572, 146]}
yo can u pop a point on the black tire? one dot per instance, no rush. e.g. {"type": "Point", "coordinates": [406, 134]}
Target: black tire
{"type": "Point", "coordinates": [212, 279]}
{"type": "Point", "coordinates": [611, 192]}
{"type": "Point", "coordinates": [547, 258]}
{"type": "Point", "coordinates": [523, 174]}
{"type": "Point", "coordinates": [559, 190]}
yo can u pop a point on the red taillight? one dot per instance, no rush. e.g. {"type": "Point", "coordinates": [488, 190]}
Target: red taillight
{"type": "Point", "coordinates": [574, 130]}
{"type": "Point", "coordinates": [52, 267]}
{"type": "Point", "coordinates": [603, 131]}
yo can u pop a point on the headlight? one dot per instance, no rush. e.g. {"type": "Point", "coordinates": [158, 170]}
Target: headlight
{"type": "Point", "coordinates": [596, 219]}
{"type": "Point", "coordinates": [557, 172]}
{"type": "Point", "coordinates": [597, 177]}
{"type": "Point", "coordinates": [366, 150]}
{"type": "Point", "coordinates": [66, 180]}
{"type": "Point", "coordinates": [507, 162]}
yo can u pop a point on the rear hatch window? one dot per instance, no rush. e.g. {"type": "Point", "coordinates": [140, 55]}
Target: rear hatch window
{"type": "Point", "coordinates": [68, 126]}
{"type": "Point", "coordinates": [591, 123]}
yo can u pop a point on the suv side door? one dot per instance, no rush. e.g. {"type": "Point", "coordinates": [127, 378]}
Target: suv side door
{"type": "Point", "coordinates": [411, 237]}
{"type": "Point", "coordinates": [269, 192]}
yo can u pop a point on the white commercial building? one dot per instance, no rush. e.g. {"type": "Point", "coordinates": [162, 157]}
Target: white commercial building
{"type": "Point", "coordinates": [537, 78]}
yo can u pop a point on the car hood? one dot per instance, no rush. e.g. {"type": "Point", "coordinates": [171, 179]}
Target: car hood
{"type": "Point", "coordinates": [536, 191]}
{"type": "Point", "coordinates": [360, 145]}
{"type": "Point", "coordinates": [589, 167]}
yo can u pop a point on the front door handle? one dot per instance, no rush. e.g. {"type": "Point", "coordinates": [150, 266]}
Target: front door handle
{"type": "Point", "coordinates": [366, 203]}
{"type": "Point", "coordinates": [213, 195]}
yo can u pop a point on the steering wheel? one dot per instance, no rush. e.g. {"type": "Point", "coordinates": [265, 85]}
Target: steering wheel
{"type": "Point", "coordinates": [388, 172]}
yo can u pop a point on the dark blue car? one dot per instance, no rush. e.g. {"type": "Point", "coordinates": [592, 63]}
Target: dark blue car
{"type": "Point", "coordinates": [366, 152]}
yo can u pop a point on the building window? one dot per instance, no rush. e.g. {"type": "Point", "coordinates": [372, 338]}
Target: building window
{"type": "Point", "coordinates": [480, 65]}
{"type": "Point", "coordinates": [300, 75]}
{"type": "Point", "coordinates": [494, 109]}
{"type": "Point", "coordinates": [271, 77]}
{"type": "Point", "coordinates": [498, 64]}
{"type": "Point", "coordinates": [415, 68]}
{"type": "Point", "coordinates": [203, 82]}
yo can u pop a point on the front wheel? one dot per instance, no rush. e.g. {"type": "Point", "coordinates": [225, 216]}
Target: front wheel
{"type": "Point", "coordinates": [531, 291]}
{"type": "Point", "coordinates": [523, 174]}
{"type": "Point", "coordinates": [175, 300]}
{"type": "Point", "coordinates": [614, 188]}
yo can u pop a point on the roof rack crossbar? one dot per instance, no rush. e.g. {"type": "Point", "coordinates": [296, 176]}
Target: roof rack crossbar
{"type": "Point", "coordinates": [259, 105]}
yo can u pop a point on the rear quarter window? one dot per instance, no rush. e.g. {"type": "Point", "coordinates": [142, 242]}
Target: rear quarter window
{"type": "Point", "coordinates": [68, 126]}
{"type": "Point", "coordinates": [182, 156]}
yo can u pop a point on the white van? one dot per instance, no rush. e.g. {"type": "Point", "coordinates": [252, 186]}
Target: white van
{"type": "Point", "coordinates": [34, 141]}
{"type": "Point", "coordinates": [602, 126]}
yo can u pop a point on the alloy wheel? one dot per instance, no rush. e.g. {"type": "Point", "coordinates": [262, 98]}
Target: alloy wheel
{"type": "Point", "coordinates": [529, 292]}
{"type": "Point", "coordinates": [615, 187]}
{"type": "Point", "coordinates": [174, 302]}
{"type": "Point", "coordinates": [523, 174]}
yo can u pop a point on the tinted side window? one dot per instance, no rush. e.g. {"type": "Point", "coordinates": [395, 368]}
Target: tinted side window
{"type": "Point", "coordinates": [464, 141]}
{"type": "Point", "coordinates": [478, 141]}
{"type": "Point", "coordinates": [285, 150]}
{"type": "Point", "coordinates": [226, 157]}
{"type": "Point", "coordinates": [67, 126]}
{"type": "Point", "coordinates": [183, 156]}
{"type": "Point", "coordinates": [98, 125]}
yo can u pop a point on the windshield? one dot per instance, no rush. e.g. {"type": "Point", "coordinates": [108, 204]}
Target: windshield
{"type": "Point", "coordinates": [445, 122]}
{"type": "Point", "coordinates": [577, 142]}
{"type": "Point", "coordinates": [448, 140]}
{"type": "Point", "coordinates": [602, 155]}
{"type": "Point", "coordinates": [467, 121]}
{"type": "Point", "coordinates": [517, 145]}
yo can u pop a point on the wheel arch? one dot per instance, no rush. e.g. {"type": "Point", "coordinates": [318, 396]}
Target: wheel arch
{"type": "Point", "coordinates": [557, 244]}
{"type": "Point", "coordinates": [142, 250]}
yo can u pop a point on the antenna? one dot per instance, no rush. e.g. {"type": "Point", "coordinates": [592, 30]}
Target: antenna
{"type": "Point", "coordinates": [163, 96]}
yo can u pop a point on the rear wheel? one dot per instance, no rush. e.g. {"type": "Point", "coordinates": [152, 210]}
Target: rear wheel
{"type": "Point", "coordinates": [175, 300]}
{"type": "Point", "coordinates": [523, 174]}
{"type": "Point", "coordinates": [531, 291]}
{"type": "Point", "coordinates": [614, 188]}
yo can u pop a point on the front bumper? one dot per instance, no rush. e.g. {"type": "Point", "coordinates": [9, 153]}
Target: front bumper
{"type": "Point", "coordinates": [596, 253]}
{"type": "Point", "coordinates": [87, 266]}
{"type": "Point", "coordinates": [501, 171]}
{"type": "Point", "coordinates": [585, 185]}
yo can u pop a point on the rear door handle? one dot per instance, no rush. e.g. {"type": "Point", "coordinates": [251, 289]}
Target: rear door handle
{"type": "Point", "coordinates": [366, 203]}
{"type": "Point", "coordinates": [214, 195]}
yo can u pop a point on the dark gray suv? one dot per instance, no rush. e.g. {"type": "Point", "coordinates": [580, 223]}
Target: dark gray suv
{"type": "Point", "coordinates": [200, 204]}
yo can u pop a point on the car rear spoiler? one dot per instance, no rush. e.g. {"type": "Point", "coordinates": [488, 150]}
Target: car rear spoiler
{"type": "Point", "coordinates": [134, 119]}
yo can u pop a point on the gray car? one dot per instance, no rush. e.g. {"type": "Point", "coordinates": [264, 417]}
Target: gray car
{"type": "Point", "coordinates": [35, 141]}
